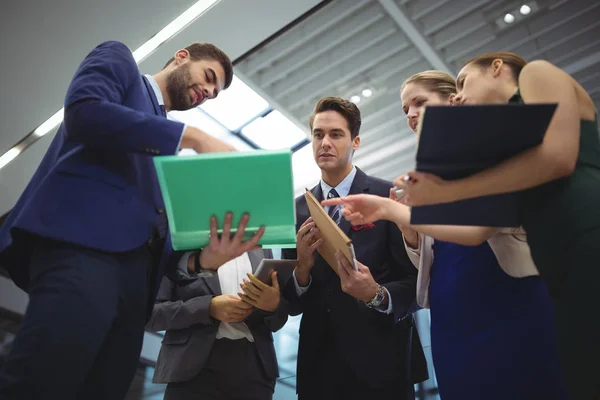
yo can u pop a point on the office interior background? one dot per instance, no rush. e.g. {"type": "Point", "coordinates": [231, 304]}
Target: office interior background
{"type": "Point", "coordinates": [287, 55]}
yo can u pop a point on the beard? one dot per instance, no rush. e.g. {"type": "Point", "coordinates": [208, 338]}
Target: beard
{"type": "Point", "coordinates": [177, 88]}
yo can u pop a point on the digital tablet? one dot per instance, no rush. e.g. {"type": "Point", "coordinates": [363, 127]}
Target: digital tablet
{"type": "Point", "coordinates": [284, 270]}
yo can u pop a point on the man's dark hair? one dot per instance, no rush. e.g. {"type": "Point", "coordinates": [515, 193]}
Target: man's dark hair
{"type": "Point", "coordinates": [345, 108]}
{"type": "Point", "coordinates": [208, 51]}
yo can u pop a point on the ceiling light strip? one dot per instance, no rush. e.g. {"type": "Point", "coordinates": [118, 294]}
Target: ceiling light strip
{"type": "Point", "coordinates": [140, 54]}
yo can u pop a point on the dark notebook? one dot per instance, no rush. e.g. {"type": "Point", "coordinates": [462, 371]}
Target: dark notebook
{"type": "Point", "coordinates": [455, 142]}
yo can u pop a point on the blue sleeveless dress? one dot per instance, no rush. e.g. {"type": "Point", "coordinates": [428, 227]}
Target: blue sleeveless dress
{"type": "Point", "coordinates": [492, 335]}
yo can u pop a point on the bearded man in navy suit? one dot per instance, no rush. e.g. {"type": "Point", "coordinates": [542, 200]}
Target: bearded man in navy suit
{"type": "Point", "coordinates": [88, 238]}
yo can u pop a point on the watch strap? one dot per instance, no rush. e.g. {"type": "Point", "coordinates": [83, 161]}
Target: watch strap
{"type": "Point", "coordinates": [197, 266]}
{"type": "Point", "coordinates": [378, 298]}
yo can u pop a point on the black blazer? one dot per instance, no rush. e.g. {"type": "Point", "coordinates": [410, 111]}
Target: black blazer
{"type": "Point", "coordinates": [375, 344]}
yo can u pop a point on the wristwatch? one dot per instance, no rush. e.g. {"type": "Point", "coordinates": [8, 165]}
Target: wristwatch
{"type": "Point", "coordinates": [197, 266]}
{"type": "Point", "coordinates": [378, 299]}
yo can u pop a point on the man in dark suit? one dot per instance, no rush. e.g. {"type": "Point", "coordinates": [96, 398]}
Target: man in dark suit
{"type": "Point", "coordinates": [352, 344]}
{"type": "Point", "coordinates": [218, 343]}
{"type": "Point", "coordinates": [88, 237]}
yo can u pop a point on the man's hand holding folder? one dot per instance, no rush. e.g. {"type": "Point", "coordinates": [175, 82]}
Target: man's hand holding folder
{"type": "Point", "coordinates": [307, 241]}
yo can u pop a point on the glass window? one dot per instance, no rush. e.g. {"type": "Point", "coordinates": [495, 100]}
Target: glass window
{"type": "Point", "coordinates": [273, 131]}
{"type": "Point", "coordinates": [199, 119]}
{"type": "Point", "coordinates": [306, 171]}
{"type": "Point", "coordinates": [236, 105]}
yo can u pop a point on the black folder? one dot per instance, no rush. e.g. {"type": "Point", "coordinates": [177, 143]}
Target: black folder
{"type": "Point", "coordinates": [458, 141]}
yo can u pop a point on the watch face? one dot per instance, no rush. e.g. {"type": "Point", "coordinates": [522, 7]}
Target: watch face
{"type": "Point", "coordinates": [378, 299]}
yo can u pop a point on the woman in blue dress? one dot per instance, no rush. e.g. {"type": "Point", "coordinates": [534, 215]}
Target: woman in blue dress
{"type": "Point", "coordinates": [492, 319]}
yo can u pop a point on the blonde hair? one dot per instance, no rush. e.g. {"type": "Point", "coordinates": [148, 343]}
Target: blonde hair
{"type": "Point", "coordinates": [434, 81]}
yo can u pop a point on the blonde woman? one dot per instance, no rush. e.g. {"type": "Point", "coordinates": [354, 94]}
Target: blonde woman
{"type": "Point", "coordinates": [561, 183]}
{"type": "Point", "coordinates": [491, 315]}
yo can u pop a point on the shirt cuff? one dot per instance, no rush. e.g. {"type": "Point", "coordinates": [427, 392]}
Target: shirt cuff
{"type": "Point", "coordinates": [389, 308]}
{"type": "Point", "coordinates": [300, 290]}
{"type": "Point", "coordinates": [182, 266]}
{"type": "Point", "coordinates": [178, 149]}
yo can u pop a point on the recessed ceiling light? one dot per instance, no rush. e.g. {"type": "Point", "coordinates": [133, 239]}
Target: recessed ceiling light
{"type": "Point", "coordinates": [355, 99]}
{"type": "Point", "coordinates": [525, 9]}
{"type": "Point", "coordinates": [509, 18]}
{"type": "Point", "coordinates": [367, 92]}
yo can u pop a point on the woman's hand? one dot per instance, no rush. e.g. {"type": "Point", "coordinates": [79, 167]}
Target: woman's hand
{"type": "Point", "coordinates": [411, 237]}
{"type": "Point", "coordinates": [361, 209]}
{"type": "Point", "coordinates": [421, 189]}
{"type": "Point", "coordinates": [260, 295]}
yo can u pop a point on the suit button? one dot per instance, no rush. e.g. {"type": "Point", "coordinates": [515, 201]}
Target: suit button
{"type": "Point", "coordinates": [160, 210]}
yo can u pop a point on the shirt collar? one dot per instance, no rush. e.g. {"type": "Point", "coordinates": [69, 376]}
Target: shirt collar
{"type": "Point", "coordinates": [343, 188]}
{"type": "Point", "coordinates": [156, 88]}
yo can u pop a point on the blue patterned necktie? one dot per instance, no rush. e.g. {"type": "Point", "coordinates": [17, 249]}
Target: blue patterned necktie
{"type": "Point", "coordinates": [163, 110]}
{"type": "Point", "coordinates": [334, 211]}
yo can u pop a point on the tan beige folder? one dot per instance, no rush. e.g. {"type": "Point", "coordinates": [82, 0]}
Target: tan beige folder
{"type": "Point", "coordinates": [333, 237]}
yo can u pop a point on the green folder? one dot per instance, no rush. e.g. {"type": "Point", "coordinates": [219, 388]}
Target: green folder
{"type": "Point", "coordinates": [257, 182]}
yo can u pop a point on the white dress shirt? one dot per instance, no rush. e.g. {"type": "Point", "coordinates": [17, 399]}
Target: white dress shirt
{"type": "Point", "coordinates": [342, 189]}
{"type": "Point", "coordinates": [231, 274]}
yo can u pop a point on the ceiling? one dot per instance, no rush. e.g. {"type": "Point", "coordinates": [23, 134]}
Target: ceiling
{"type": "Point", "coordinates": [351, 45]}
{"type": "Point", "coordinates": [43, 43]}
{"type": "Point", "coordinates": [341, 49]}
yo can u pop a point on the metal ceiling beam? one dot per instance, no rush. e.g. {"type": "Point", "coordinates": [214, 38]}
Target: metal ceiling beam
{"type": "Point", "coordinates": [389, 71]}
{"type": "Point", "coordinates": [392, 169]}
{"type": "Point", "coordinates": [553, 22]}
{"type": "Point", "coordinates": [415, 36]}
{"type": "Point", "coordinates": [307, 30]}
{"type": "Point", "coordinates": [452, 14]}
{"type": "Point", "coordinates": [313, 50]}
{"type": "Point", "coordinates": [346, 53]}
{"type": "Point", "coordinates": [579, 50]}
{"type": "Point", "coordinates": [332, 77]}
{"type": "Point", "coordinates": [405, 144]}
{"type": "Point", "coordinates": [583, 63]}
{"type": "Point", "coordinates": [562, 39]}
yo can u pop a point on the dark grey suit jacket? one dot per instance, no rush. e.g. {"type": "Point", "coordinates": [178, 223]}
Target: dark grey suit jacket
{"type": "Point", "coordinates": [182, 310]}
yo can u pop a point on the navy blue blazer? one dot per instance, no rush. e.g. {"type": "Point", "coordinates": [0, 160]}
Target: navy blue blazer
{"type": "Point", "coordinates": [96, 186]}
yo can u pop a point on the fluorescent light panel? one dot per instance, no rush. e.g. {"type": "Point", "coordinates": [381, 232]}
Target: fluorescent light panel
{"type": "Point", "coordinates": [9, 156]}
{"type": "Point", "coordinates": [50, 123]}
{"type": "Point", "coordinates": [139, 55]}
{"type": "Point", "coordinates": [171, 30]}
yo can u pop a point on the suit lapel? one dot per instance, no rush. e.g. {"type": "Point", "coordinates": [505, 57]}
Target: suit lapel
{"type": "Point", "coordinates": [152, 95]}
{"type": "Point", "coordinates": [360, 185]}
{"type": "Point", "coordinates": [318, 192]}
